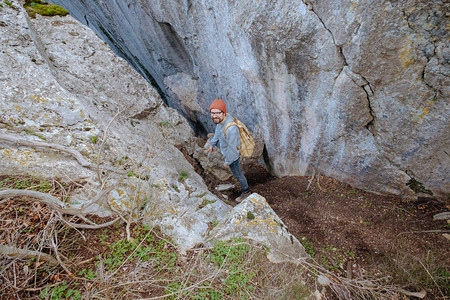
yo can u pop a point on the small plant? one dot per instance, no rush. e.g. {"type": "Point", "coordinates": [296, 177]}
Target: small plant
{"type": "Point", "coordinates": [94, 140]}
{"type": "Point", "coordinates": [89, 274]}
{"type": "Point", "coordinates": [31, 132]}
{"type": "Point", "coordinates": [214, 223]}
{"type": "Point", "coordinates": [183, 176]}
{"type": "Point", "coordinates": [250, 215]}
{"type": "Point", "coordinates": [165, 124]}
{"type": "Point", "coordinates": [60, 291]}
{"type": "Point", "coordinates": [122, 160]}
{"type": "Point", "coordinates": [309, 247]}
{"type": "Point", "coordinates": [143, 247]}
{"type": "Point", "coordinates": [31, 183]}
{"type": "Point", "coordinates": [130, 174]}
{"type": "Point", "coordinates": [204, 203]}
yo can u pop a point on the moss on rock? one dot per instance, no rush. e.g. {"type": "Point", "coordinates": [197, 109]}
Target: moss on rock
{"type": "Point", "coordinates": [43, 8]}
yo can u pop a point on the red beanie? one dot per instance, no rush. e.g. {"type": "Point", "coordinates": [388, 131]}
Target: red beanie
{"type": "Point", "coordinates": [218, 104]}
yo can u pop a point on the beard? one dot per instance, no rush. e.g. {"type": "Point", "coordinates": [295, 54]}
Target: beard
{"type": "Point", "coordinates": [217, 120]}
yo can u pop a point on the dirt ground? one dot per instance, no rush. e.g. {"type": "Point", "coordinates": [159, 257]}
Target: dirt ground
{"type": "Point", "coordinates": [357, 234]}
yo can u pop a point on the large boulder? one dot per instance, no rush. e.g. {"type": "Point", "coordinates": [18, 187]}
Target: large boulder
{"type": "Point", "coordinates": [356, 90]}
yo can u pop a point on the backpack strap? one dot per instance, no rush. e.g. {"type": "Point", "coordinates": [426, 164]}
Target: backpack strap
{"type": "Point", "coordinates": [229, 124]}
{"type": "Point", "coordinates": [232, 123]}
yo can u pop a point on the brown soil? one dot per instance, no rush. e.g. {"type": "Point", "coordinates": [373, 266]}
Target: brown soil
{"type": "Point", "coordinates": [354, 233]}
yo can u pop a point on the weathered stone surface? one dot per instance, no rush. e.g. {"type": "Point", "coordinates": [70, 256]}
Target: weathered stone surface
{"type": "Point", "coordinates": [255, 220]}
{"type": "Point", "coordinates": [354, 89]}
{"type": "Point", "coordinates": [60, 84]}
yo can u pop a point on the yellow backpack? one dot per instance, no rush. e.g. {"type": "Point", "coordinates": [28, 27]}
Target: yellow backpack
{"type": "Point", "coordinates": [247, 142]}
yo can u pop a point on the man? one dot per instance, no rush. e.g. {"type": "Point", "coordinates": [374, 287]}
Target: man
{"type": "Point", "coordinates": [229, 144]}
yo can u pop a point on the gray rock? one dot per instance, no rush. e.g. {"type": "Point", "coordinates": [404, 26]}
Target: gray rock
{"type": "Point", "coordinates": [254, 219]}
{"type": "Point", "coordinates": [358, 92]}
{"type": "Point", "coordinates": [224, 187]}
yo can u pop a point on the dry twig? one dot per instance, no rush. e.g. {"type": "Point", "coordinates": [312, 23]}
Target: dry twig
{"type": "Point", "coordinates": [14, 252]}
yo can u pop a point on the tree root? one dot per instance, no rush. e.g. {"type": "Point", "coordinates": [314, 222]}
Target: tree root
{"type": "Point", "coordinates": [86, 226]}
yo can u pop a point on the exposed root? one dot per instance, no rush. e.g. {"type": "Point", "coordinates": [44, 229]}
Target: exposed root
{"type": "Point", "coordinates": [89, 226]}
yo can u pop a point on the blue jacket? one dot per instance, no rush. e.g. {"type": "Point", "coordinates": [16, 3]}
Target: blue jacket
{"type": "Point", "coordinates": [229, 145]}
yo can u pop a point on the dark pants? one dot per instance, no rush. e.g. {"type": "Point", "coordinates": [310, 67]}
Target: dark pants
{"type": "Point", "coordinates": [237, 172]}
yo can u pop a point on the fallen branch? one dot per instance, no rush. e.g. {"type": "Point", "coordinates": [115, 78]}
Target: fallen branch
{"type": "Point", "coordinates": [310, 181]}
{"type": "Point", "coordinates": [14, 252]}
{"type": "Point", "coordinates": [48, 199]}
{"type": "Point", "coordinates": [442, 216]}
{"type": "Point", "coordinates": [312, 178]}
{"type": "Point", "coordinates": [55, 248]}
{"type": "Point", "coordinates": [54, 202]}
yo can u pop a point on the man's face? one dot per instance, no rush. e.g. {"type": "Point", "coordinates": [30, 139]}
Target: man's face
{"type": "Point", "coordinates": [217, 116]}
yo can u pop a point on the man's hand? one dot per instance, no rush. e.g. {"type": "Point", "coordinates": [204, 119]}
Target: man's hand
{"type": "Point", "coordinates": [211, 149]}
{"type": "Point", "coordinates": [226, 166]}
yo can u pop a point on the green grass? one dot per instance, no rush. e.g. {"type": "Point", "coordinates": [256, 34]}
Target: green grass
{"type": "Point", "coordinates": [143, 247]}
{"type": "Point", "coordinates": [108, 266]}
{"type": "Point", "coordinates": [233, 255]}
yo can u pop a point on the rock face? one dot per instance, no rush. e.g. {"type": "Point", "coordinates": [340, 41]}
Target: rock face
{"type": "Point", "coordinates": [72, 111]}
{"type": "Point", "coordinates": [355, 89]}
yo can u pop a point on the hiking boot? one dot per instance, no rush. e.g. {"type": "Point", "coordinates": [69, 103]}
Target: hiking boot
{"type": "Point", "coordinates": [242, 196]}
